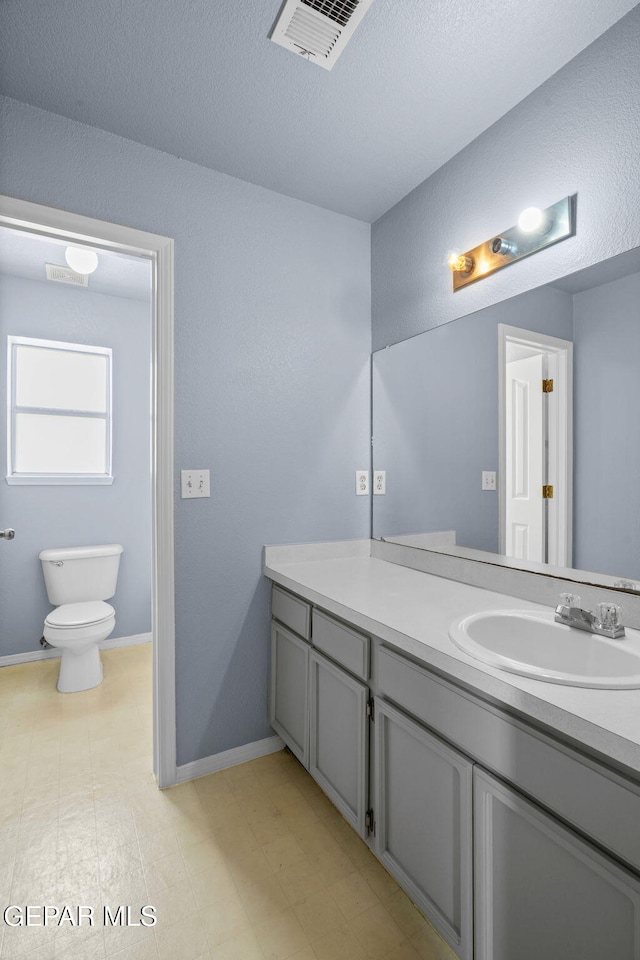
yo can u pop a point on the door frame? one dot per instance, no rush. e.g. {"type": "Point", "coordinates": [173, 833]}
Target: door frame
{"type": "Point", "coordinates": [560, 436]}
{"type": "Point", "coordinates": [50, 221]}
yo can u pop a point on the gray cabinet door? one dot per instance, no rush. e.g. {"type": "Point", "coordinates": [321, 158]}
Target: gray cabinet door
{"type": "Point", "coordinates": [289, 700]}
{"type": "Point", "coordinates": [542, 891]}
{"type": "Point", "coordinates": [339, 738]}
{"type": "Point", "coordinates": [423, 814]}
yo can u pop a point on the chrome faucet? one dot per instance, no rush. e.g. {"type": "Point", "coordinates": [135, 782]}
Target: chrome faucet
{"type": "Point", "coordinates": [605, 621]}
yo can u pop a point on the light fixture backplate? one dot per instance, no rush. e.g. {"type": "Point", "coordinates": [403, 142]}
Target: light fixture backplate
{"type": "Point", "coordinates": [561, 216]}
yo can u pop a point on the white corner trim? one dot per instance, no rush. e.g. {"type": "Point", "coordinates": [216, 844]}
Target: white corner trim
{"type": "Point", "coordinates": [228, 758]}
{"type": "Point", "coordinates": [52, 652]}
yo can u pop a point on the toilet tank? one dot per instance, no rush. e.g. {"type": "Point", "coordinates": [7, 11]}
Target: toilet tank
{"type": "Point", "coordinates": [76, 574]}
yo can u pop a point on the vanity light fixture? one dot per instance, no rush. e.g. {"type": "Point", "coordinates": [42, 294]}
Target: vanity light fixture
{"type": "Point", "coordinates": [535, 230]}
{"type": "Point", "coordinates": [83, 260]}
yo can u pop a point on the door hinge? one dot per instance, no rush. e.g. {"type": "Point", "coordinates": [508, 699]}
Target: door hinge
{"type": "Point", "coordinates": [547, 386]}
{"type": "Point", "coordinates": [370, 823]}
{"type": "Point", "coordinates": [547, 491]}
{"type": "Point", "coordinates": [371, 710]}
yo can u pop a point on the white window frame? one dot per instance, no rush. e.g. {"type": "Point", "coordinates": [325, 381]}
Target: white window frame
{"type": "Point", "coordinates": [12, 409]}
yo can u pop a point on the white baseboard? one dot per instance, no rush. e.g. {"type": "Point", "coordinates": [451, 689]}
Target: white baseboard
{"type": "Point", "coordinates": [52, 652]}
{"type": "Point", "coordinates": [131, 641]}
{"type": "Point", "coordinates": [228, 758]}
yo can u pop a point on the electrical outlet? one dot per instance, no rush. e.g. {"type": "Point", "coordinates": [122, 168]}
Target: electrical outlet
{"type": "Point", "coordinates": [362, 483]}
{"type": "Point", "coordinates": [195, 483]}
{"type": "Point", "coordinates": [379, 482]}
{"type": "Point", "coordinates": [488, 480]}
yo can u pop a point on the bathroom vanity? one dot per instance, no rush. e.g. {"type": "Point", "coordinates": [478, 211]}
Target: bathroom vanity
{"type": "Point", "coordinates": [508, 809]}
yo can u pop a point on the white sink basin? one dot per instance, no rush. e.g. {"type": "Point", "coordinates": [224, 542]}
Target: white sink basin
{"type": "Point", "coordinates": [533, 645]}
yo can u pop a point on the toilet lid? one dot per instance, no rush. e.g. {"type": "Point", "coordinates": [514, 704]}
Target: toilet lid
{"type": "Point", "coordinates": [77, 614]}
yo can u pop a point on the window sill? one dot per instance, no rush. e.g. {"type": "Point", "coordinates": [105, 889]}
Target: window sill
{"type": "Point", "coordinates": [54, 481]}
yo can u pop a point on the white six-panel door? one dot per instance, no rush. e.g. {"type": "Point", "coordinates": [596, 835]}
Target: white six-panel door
{"type": "Point", "coordinates": [525, 460]}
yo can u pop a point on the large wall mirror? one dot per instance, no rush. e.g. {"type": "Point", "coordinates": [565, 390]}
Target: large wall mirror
{"type": "Point", "coordinates": [512, 435]}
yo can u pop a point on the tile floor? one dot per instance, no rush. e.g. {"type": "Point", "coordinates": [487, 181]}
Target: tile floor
{"type": "Point", "coordinates": [252, 863]}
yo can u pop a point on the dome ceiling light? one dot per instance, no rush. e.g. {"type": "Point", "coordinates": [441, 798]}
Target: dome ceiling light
{"type": "Point", "coordinates": [83, 260]}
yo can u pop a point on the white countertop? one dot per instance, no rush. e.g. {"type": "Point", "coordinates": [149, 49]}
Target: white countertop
{"type": "Point", "coordinates": [413, 611]}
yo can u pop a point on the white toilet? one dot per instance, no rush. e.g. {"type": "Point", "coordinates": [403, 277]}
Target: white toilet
{"type": "Point", "coordinates": [78, 581]}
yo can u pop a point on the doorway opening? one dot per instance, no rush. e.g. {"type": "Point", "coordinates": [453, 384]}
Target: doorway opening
{"type": "Point", "coordinates": [156, 252]}
{"type": "Point", "coordinates": [536, 460]}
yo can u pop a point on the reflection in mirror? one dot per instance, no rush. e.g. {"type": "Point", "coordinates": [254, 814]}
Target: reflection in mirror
{"type": "Point", "coordinates": [472, 398]}
{"type": "Point", "coordinates": [535, 410]}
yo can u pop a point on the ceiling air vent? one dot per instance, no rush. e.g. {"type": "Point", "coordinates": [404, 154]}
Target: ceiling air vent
{"type": "Point", "coordinates": [66, 275]}
{"type": "Point", "coordinates": [318, 29]}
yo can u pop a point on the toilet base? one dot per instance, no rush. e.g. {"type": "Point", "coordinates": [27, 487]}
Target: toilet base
{"type": "Point", "coordinates": [80, 670]}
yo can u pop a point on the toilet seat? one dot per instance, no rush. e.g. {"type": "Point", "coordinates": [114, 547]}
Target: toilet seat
{"type": "Point", "coordinates": [70, 615]}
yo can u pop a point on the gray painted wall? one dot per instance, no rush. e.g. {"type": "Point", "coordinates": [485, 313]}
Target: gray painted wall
{"type": "Point", "coordinates": [272, 350]}
{"type": "Point", "coordinates": [578, 132]}
{"type": "Point", "coordinates": [607, 428]}
{"type": "Point", "coordinates": [62, 516]}
{"type": "Point", "coordinates": [435, 419]}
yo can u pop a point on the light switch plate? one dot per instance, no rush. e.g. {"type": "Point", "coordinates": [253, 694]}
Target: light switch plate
{"type": "Point", "coordinates": [195, 483]}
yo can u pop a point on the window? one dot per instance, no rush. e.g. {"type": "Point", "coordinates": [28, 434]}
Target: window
{"type": "Point", "coordinates": [59, 428]}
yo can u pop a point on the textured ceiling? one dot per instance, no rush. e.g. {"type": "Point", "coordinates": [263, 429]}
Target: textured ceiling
{"type": "Point", "coordinates": [198, 79]}
{"type": "Point", "coordinates": [25, 254]}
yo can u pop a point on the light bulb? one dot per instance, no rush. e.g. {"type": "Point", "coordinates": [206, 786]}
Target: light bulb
{"type": "Point", "coordinates": [461, 263]}
{"type": "Point", "coordinates": [81, 259]}
{"type": "Point", "coordinates": [533, 220]}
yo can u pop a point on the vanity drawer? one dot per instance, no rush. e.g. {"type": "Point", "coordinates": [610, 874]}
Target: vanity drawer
{"type": "Point", "coordinates": [577, 789]}
{"type": "Point", "coordinates": [292, 612]}
{"type": "Point", "coordinates": [343, 644]}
